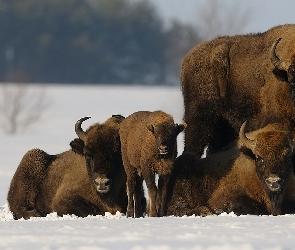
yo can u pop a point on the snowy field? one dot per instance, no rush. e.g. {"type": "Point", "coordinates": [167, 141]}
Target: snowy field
{"type": "Point", "coordinates": [53, 133]}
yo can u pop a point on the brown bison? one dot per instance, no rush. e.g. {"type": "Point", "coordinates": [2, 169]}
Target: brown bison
{"type": "Point", "coordinates": [89, 179]}
{"type": "Point", "coordinates": [149, 146]}
{"type": "Point", "coordinates": [255, 177]}
{"type": "Point", "coordinates": [235, 78]}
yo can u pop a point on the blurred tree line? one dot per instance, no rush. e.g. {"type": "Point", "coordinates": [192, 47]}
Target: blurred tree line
{"type": "Point", "coordinates": [90, 41]}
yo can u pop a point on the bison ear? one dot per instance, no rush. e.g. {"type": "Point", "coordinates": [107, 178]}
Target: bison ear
{"type": "Point", "coordinates": [180, 127]}
{"type": "Point", "coordinates": [77, 146]}
{"type": "Point", "coordinates": [119, 117]}
{"type": "Point", "coordinates": [151, 128]}
{"type": "Point", "coordinates": [280, 74]}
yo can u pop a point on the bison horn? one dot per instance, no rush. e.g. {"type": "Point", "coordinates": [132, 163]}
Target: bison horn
{"type": "Point", "coordinates": [244, 140]}
{"type": "Point", "coordinates": [78, 129]}
{"type": "Point", "coordinates": [274, 58]}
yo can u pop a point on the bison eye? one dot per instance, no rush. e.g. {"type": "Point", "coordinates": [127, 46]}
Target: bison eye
{"type": "Point", "coordinates": [259, 161]}
{"type": "Point", "coordinates": [88, 156]}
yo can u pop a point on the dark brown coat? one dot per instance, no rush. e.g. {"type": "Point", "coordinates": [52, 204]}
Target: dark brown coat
{"type": "Point", "coordinates": [87, 180]}
{"type": "Point", "coordinates": [254, 178]}
{"type": "Point", "coordinates": [149, 146]}
{"type": "Point", "coordinates": [235, 78]}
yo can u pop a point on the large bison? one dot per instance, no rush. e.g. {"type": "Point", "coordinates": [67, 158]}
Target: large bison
{"type": "Point", "coordinates": [149, 146]}
{"type": "Point", "coordinates": [89, 179]}
{"type": "Point", "coordinates": [235, 78]}
{"type": "Point", "coordinates": [252, 177]}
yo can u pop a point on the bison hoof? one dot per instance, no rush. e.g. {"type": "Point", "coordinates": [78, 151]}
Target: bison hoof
{"type": "Point", "coordinates": [129, 214]}
{"type": "Point", "coordinates": [153, 213]}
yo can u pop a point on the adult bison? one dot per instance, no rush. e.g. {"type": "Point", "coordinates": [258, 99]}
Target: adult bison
{"type": "Point", "coordinates": [89, 179]}
{"type": "Point", "coordinates": [252, 177]}
{"type": "Point", "coordinates": [235, 78]}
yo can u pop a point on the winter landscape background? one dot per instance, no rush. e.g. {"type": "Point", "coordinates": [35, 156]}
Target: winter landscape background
{"type": "Point", "coordinates": [53, 133]}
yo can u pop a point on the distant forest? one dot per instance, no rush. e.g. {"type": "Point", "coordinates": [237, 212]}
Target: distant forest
{"type": "Point", "coordinates": [90, 41]}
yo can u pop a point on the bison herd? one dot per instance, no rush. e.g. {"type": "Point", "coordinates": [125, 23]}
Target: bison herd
{"type": "Point", "coordinates": [238, 94]}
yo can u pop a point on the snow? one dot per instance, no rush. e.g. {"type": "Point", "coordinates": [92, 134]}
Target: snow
{"type": "Point", "coordinates": [53, 134]}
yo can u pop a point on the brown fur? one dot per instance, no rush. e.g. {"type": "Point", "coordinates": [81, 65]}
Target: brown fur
{"type": "Point", "coordinates": [231, 79]}
{"type": "Point", "coordinates": [143, 135]}
{"type": "Point", "coordinates": [235, 179]}
{"type": "Point", "coordinates": [69, 183]}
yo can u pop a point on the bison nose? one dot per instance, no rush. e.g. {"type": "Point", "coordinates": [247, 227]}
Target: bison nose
{"type": "Point", "coordinates": [274, 183]}
{"type": "Point", "coordinates": [103, 185]}
{"type": "Point", "coordinates": [163, 149]}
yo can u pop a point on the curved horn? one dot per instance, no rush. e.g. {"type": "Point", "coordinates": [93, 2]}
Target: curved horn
{"type": "Point", "coordinates": [78, 129]}
{"type": "Point", "coordinates": [274, 58]}
{"type": "Point", "coordinates": [244, 140]}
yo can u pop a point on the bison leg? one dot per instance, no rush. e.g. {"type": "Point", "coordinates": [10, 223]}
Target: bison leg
{"type": "Point", "coordinates": [293, 162]}
{"type": "Point", "coordinates": [66, 202]}
{"type": "Point", "coordinates": [199, 130]}
{"type": "Point", "coordinates": [222, 134]}
{"type": "Point", "coordinates": [288, 207]}
{"type": "Point", "coordinates": [32, 213]}
{"type": "Point", "coordinates": [200, 211]}
{"type": "Point", "coordinates": [162, 194]}
{"type": "Point", "coordinates": [149, 178]}
{"type": "Point", "coordinates": [21, 200]}
{"type": "Point", "coordinates": [77, 207]}
{"type": "Point", "coordinates": [131, 185]}
{"type": "Point", "coordinates": [138, 197]}
{"type": "Point", "coordinates": [27, 213]}
{"type": "Point", "coordinates": [25, 184]}
{"type": "Point", "coordinates": [204, 131]}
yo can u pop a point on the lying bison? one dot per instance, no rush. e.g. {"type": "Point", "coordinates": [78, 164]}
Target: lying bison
{"type": "Point", "coordinates": [254, 178]}
{"type": "Point", "coordinates": [232, 79]}
{"type": "Point", "coordinates": [89, 179]}
{"type": "Point", "coordinates": [148, 141]}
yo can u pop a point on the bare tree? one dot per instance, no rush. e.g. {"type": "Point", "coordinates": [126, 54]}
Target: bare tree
{"type": "Point", "coordinates": [21, 105]}
{"type": "Point", "coordinates": [220, 17]}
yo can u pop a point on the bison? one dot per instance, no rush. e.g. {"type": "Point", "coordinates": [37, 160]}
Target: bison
{"type": "Point", "coordinates": [89, 179]}
{"type": "Point", "coordinates": [149, 146]}
{"type": "Point", "coordinates": [235, 78]}
{"type": "Point", "coordinates": [253, 176]}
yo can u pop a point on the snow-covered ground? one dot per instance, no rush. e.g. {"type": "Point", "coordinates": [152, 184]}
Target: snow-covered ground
{"type": "Point", "coordinates": [53, 133]}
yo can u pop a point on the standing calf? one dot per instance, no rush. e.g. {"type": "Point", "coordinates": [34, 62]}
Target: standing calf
{"type": "Point", "coordinates": [255, 177]}
{"type": "Point", "coordinates": [149, 146]}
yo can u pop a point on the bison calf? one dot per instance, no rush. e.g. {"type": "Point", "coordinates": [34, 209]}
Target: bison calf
{"type": "Point", "coordinates": [89, 179]}
{"type": "Point", "coordinates": [255, 177]}
{"type": "Point", "coordinates": [149, 146]}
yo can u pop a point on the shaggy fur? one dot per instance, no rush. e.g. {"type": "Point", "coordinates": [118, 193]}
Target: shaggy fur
{"type": "Point", "coordinates": [149, 146]}
{"type": "Point", "coordinates": [87, 180]}
{"type": "Point", "coordinates": [243, 180]}
{"type": "Point", "coordinates": [235, 78]}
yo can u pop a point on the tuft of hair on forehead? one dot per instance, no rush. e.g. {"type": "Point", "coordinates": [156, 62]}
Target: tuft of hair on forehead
{"type": "Point", "coordinates": [160, 116]}
{"type": "Point", "coordinates": [273, 142]}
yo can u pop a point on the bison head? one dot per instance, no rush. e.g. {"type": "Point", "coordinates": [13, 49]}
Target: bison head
{"type": "Point", "coordinates": [272, 151]}
{"type": "Point", "coordinates": [165, 134]}
{"type": "Point", "coordinates": [100, 145]}
{"type": "Point", "coordinates": [283, 70]}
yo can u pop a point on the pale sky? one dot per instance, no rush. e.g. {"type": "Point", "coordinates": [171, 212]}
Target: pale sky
{"type": "Point", "coordinates": [264, 13]}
